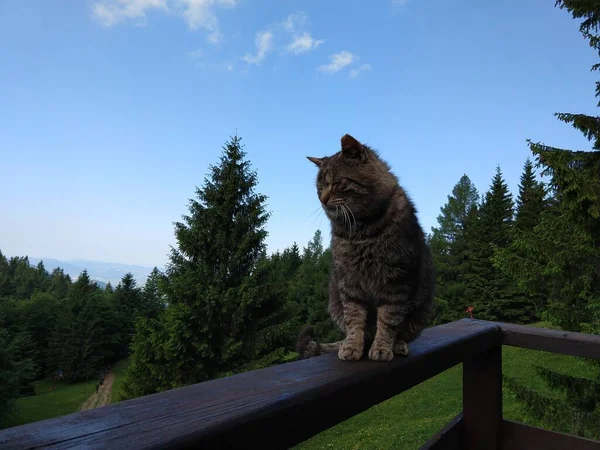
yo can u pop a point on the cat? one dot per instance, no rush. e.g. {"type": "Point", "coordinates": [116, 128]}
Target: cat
{"type": "Point", "coordinates": [382, 283]}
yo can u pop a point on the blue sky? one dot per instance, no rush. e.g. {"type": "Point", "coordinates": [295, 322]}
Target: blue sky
{"type": "Point", "coordinates": [112, 110]}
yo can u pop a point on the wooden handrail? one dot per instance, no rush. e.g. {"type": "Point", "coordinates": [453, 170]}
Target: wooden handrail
{"type": "Point", "coordinates": [275, 407]}
{"type": "Point", "coordinates": [554, 341]}
{"type": "Point", "coordinates": [280, 406]}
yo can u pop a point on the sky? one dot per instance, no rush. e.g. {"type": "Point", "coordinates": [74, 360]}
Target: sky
{"type": "Point", "coordinates": [111, 111]}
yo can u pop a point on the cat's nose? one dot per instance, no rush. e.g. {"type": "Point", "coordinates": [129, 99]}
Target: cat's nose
{"type": "Point", "coordinates": [325, 196]}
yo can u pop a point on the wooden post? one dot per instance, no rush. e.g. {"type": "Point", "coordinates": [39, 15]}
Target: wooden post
{"type": "Point", "coordinates": [482, 400]}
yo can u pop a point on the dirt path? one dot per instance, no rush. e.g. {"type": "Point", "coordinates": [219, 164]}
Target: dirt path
{"type": "Point", "coordinates": [103, 396]}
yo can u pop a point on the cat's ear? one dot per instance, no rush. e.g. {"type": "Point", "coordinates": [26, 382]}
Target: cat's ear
{"type": "Point", "coordinates": [353, 149]}
{"type": "Point", "coordinates": [317, 161]}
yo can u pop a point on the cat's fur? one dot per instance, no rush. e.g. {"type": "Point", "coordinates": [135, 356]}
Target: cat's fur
{"type": "Point", "coordinates": [381, 286]}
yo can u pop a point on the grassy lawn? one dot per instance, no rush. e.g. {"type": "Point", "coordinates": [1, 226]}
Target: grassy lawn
{"type": "Point", "coordinates": [119, 371]}
{"type": "Point", "coordinates": [409, 419]}
{"type": "Point", "coordinates": [66, 399]}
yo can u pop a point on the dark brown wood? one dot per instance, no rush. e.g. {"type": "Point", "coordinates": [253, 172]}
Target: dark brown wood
{"type": "Point", "coordinates": [555, 341]}
{"type": "Point", "coordinates": [482, 400]}
{"type": "Point", "coordinates": [448, 438]}
{"type": "Point", "coordinates": [518, 436]}
{"type": "Point", "coordinates": [273, 408]}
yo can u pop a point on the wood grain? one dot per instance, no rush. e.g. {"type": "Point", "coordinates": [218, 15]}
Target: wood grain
{"type": "Point", "coordinates": [482, 400]}
{"type": "Point", "coordinates": [273, 408]}
{"type": "Point", "coordinates": [517, 436]}
{"type": "Point", "coordinates": [554, 341]}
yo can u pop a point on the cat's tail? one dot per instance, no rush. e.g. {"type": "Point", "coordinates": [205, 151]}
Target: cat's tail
{"type": "Point", "coordinates": [307, 347]}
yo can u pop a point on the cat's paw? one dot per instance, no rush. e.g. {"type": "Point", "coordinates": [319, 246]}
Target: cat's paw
{"type": "Point", "coordinates": [401, 348]}
{"type": "Point", "coordinates": [350, 351]}
{"type": "Point", "coordinates": [380, 353]}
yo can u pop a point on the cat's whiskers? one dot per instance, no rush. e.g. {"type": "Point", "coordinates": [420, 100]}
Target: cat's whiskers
{"type": "Point", "coordinates": [351, 218]}
{"type": "Point", "coordinates": [316, 211]}
{"type": "Point", "coordinates": [347, 222]}
{"type": "Point", "coordinates": [345, 215]}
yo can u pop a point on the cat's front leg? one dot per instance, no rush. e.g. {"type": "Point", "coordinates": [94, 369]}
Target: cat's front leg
{"type": "Point", "coordinates": [355, 318]}
{"type": "Point", "coordinates": [389, 318]}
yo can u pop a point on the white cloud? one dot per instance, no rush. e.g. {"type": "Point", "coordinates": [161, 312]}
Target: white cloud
{"type": "Point", "coordinates": [264, 44]}
{"type": "Point", "coordinates": [354, 73]}
{"type": "Point", "coordinates": [198, 14]}
{"type": "Point", "coordinates": [111, 12]}
{"type": "Point", "coordinates": [295, 20]}
{"type": "Point", "coordinates": [303, 43]}
{"type": "Point", "coordinates": [338, 61]}
{"type": "Point", "coordinates": [293, 24]}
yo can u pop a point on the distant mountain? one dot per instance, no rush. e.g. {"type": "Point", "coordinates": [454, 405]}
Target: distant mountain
{"type": "Point", "coordinates": [101, 284]}
{"type": "Point", "coordinates": [99, 271]}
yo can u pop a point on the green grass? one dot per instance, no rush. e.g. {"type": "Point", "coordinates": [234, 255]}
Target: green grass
{"type": "Point", "coordinates": [119, 370]}
{"type": "Point", "coordinates": [411, 418]}
{"type": "Point", "coordinates": [66, 399]}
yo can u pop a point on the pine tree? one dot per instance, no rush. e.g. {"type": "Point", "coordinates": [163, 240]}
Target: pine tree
{"type": "Point", "coordinates": [212, 298]}
{"type": "Point", "coordinates": [454, 213]}
{"type": "Point", "coordinates": [450, 246]}
{"type": "Point", "coordinates": [42, 277]}
{"type": "Point", "coordinates": [291, 260]}
{"type": "Point", "coordinates": [309, 289]}
{"type": "Point", "coordinates": [495, 295]}
{"type": "Point", "coordinates": [59, 283]}
{"type": "Point", "coordinates": [24, 277]}
{"type": "Point", "coordinates": [127, 302]}
{"type": "Point", "coordinates": [563, 253]}
{"type": "Point", "coordinates": [530, 201]}
{"type": "Point", "coordinates": [153, 300]}
{"type": "Point", "coordinates": [39, 319]}
{"type": "Point", "coordinates": [14, 372]}
{"type": "Point", "coordinates": [5, 278]}
{"type": "Point", "coordinates": [84, 336]}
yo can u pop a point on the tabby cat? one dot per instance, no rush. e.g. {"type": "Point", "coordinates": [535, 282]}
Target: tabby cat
{"type": "Point", "coordinates": [381, 286]}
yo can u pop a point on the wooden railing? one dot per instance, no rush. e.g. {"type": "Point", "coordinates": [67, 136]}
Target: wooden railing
{"type": "Point", "coordinates": [280, 406]}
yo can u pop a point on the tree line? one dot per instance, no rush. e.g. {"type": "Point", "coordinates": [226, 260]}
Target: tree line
{"type": "Point", "coordinates": [224, 305]}
{"type": "Point", "coordinates": [51, 326]}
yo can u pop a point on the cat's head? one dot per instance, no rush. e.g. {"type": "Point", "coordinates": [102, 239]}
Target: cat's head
{"type": "Point", "coordinates": [354, 180]}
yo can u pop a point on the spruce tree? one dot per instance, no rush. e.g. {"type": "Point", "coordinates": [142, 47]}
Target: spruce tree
{"type": "Point", "coordinates": [84, 336]}
{"type": "Point", "coordinates": [450, 246]}
{"type": "Point", "coordinates": [215, 313]}
{"type": "Point", "coordinates": [291, 260]}
{"type": "Point", "coordinates": [153, 300]}
{"type": "Point", "coordinates": [59, 283]}
{"type": "Point", "coordinates": [39, 319]}
{"type": "Point", "coordinates": [5, 278]}
{"type": "Point", "coordinates": [495, 295]}
{"type": "Point", "coordinates": [14, 372]}
{"type": "Point", "coordinates": [563, 253]}
{"type": "Point", "coordinates": [309, 289]}
{"type": "Point", "coordinates": [530, 201]}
